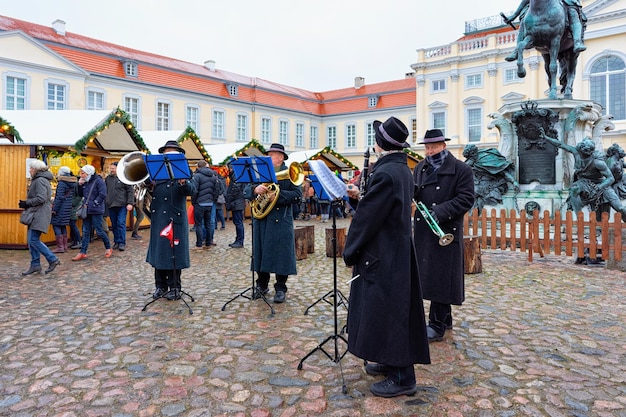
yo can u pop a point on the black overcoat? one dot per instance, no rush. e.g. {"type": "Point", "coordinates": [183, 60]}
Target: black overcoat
{"type": "Point", "coordinates": [169, 201]}
{"type": "Point", "coordinates": [449, 193]}
{"type": "Point", "coordinates": [273, 241]}
{"type": "Point", "coordinates": [386, 321]}
{"type": "Point", "coordinates": [62, 206]}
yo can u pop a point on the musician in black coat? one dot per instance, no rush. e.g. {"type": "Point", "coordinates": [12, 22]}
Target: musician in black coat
{"type": "Point", "coordinates": [386, 322]}
{"type": "Point", "coordinates": [446, 187]}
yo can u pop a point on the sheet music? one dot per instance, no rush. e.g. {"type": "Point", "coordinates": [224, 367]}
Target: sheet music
{"type": "Point", "coordinates": [332, 184]}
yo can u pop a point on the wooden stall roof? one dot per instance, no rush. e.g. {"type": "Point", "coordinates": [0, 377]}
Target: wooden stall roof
{"type": "Point", "coordinates": [93, 132]}
{"type": "Point", "coordinates": [334, 160]}
{"type": "Point", "coordinates": [187, 139]}
{"type": "Point", "coordinates": [223, 153]}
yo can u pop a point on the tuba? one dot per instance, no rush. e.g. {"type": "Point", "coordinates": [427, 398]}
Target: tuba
{"type": "Point", "coordinates": [132, 170]}
{"type": "Point", "coordinates": [262, 205]}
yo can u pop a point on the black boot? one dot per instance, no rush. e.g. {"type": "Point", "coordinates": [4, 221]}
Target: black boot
{"type": "Point", "coordinates": [32, 270]}
{"type": "Point", "coordinates": [53, 265]}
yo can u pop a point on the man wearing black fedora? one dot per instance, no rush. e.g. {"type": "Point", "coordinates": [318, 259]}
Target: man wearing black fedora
{"type": "Point", "coordinates": [386, 323]}
{"type": "Point", "coordinates": [273, 242]}
{"type": "Point", "coordinates": [446, 187]}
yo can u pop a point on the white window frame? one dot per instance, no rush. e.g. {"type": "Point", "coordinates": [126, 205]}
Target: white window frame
{"type": "Point", "coordinates": [59, 86]}
{"type": "Point", "coordinates": [92, 96]}
{"type": "Point", "coordinates": [283, 132]}
{"type": "Point", "coordinates": [266, 129]}
{"type": "Point", "coordinates": [370, 134]}
{"type": "Point", "coordinates": [242, 127]}
{"type": "Point", "coordinates": [413, 123]}
{"type": "Point", "coordinates": [331, 137]}
{"type": "Point", "coordinates": [435, 113]}
{"type": "Point", "coordinates": [192, 117]}
{"type": "Point", "coordinates": [475, 80]}
{"type": "Point", "coordinates": [132, 101]}
{"type": "Point", "coordinates": [611, 92]}
{"type": "Point", "coordinates": [218, 124]}
{"type": "Point", "coordinates": [14, 78]}
{"type": "Point", "coordinates": [131, 69]}
{"type": "Point", "coordinates": [435, 85]}
{"type": "Point", "coordinates": [163, 115]}
{"type": "Point", "coordinates": [478, 126]}
{"type": "Point", "coordinates": [314, 137]}
{"type": "Point", "coordinates": [299, 135]}
{"type": "Point", "coordinates": [509, 76]}
{"type": "Point", "coordinates": [350, 136]}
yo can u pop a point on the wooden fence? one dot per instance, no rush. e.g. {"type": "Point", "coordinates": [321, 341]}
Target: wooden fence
{"type": "Point", "coordinates": [547, 233]}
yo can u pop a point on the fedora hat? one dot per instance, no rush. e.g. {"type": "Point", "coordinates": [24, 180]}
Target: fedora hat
{"type": "Point", "coordinates": [277, 147]}
{"type": "Point", "coordinates": [171, 144]}
{"type": "Point", "coordinates": [392, 134]}
{"type": "Point", "coordinates": [434, 136]}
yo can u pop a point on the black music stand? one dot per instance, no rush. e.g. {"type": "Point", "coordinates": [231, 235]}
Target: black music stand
{"type": "Point", "coordinates": [255, 169]}
{"type": "Point", "coordinates": [329, 186]}
{"type": "Point", "coordinates": [171, 167]}
{"type": "Point", "coordinates": [323, 195]}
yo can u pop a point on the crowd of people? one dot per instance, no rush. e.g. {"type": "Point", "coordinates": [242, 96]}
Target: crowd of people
{"type": "Point", "coordinates": [396, 262]}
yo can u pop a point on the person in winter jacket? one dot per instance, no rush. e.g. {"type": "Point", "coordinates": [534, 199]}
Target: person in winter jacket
{"type": "Point", "coordinates": [386, 323]}
{"type": "Point", "coordinates": [446, 187]}
{"type": "Point", "coordinates": [207, 189]}
{"type": "Point", "coordinates": [236, 204]}
{"type": "Point", "coordinates": [120, 200]}
{"type": "Point", "coordinates": [91, 186]}
{"type": "Point", "coordinates": [62, 207]}
{"type": "Point", "coordinates": [38, 199]}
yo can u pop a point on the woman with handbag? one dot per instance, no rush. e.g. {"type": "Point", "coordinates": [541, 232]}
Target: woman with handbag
{"type": "Point", "coordinates": [37, 204]}
{"type": "Point", "coordinates": [62, 207]}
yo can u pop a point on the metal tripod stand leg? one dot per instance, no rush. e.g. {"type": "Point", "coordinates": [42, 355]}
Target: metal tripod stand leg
{"type": "Point", "coordinates": [255, 294]}
{"type": "Point", "coordinates": [182, 294]}
{"type": "Point", "coordinates": [342, 300]}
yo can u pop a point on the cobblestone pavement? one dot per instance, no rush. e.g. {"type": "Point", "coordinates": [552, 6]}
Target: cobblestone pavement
{"type": "Point", "coordinates": [546, 338]}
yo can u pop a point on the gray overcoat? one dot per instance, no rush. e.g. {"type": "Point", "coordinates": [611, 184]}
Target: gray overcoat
{"type": "Point", "coordinates": [449, 193]}
{"type": "Point", "coordinates": [386, 321]}
{"type": "Point", "coordinates": [40, 195]}
{"type": "Point", "coordinates": [169, 201]}
{"type": "Point", "coordinates": [273, 241]}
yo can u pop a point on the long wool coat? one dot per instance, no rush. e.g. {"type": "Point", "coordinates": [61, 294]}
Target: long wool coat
{"type": "Point", "coordinates": [273, 241]}
{"type": "Point", "coordinates": [169, 201]}
{"type": "Point", "coordinates": [449, 193]}
{"type": "Point", "coordinates": [62, 206]}
{"type": "Point", "coordinates": [386, 321]}
{"type": "Point", "coordinates": [39, 195]}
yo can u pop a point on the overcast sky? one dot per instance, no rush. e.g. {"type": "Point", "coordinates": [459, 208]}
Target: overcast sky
{"type": "Point", "coordinates": [316, 45]}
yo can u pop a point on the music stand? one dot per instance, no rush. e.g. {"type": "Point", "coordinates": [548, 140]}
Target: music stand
{"type": "Point", "coordinates": [323, 195]}
{"type": "Point", "coordinates": [254, 169]}
{"type": "Point", "coordinates": [335, 188]}
{"type": "Point", "coordinates": [172, 167]}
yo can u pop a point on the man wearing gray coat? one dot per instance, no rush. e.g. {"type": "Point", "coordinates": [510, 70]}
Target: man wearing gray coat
{"type": "Point", "coordinates": [386, 322]}
{"type": "Point", "coordinates": [273, 241]}
{"type": "Point", "coordinates": [446, 187]}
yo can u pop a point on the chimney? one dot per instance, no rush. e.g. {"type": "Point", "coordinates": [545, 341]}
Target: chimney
{"type": "Point", "coordinates": [408, 75]}
{"type": "Point", "coordinates": [59, 27]}
{"type": "Point", "coordinates": [210, 65]}
{"type": "Point", "coordinates": [358, 82]}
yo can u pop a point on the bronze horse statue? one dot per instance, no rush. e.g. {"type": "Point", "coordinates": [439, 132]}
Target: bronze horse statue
{"type": "Point", "coordinates": [545, 27]}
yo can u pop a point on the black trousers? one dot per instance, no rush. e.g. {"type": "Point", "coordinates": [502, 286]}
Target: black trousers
{"type": "Point", "coordinates": [164, 278]}
{"type": "Point", "coordinates": [439, 316]}
{"type": "Point", "coordinates": [402, 375]}
{"type": "Point", "coordinates": [263, 280]}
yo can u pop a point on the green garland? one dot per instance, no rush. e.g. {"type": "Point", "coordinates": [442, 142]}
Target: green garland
{"type": "Point", "coordinates": [117, 116]}
{"type": "Point", "coordinates": [9, 131]}
{"type": "Point", "coordinates": [189, 133]}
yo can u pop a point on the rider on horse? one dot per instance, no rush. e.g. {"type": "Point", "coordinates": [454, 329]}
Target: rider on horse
{"type": "Point", "coordinates": [577, 22]}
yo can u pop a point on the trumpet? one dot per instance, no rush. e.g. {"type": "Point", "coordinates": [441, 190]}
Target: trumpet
{"type": "Point", "coordinates": [444, 238]}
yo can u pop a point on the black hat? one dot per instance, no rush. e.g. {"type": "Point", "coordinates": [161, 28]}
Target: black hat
{"type": "Point", "coordinates": [434, 136]}
{"type": "Point", "coordinates": [171, 144]}
{"type": "Point", "coordinates": [277, 147]}
{"type": "Point", "coordinates": [392, 134]}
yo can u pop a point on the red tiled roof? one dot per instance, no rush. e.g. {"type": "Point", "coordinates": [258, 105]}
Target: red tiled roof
{"type": "Point", "coordinates": [103, 58]}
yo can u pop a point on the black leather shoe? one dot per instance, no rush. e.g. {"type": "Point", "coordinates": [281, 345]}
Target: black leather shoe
{"type": "Point", "coordinates": [32, 270]}
{"type": "Point", "coordinates": [52, 265]}
{"type": "Point", "coordinates": [387, 389]}
{"type": "Point", "coordinates": [376, 369]}
{"type": "Point", "coordinates": [433, 335]}
{"type": "Point", "coordinates": [173, 294]}
{"type": "Point", "coordinates": [258, 291]}
{"type": "Point", "coordinates": [279, 297]}
{"type": "Point", "coordinates": [116, 246]}
{"type": "Point", "coordinates": [236, 245]}
{"type": "Point", "coordinates": [121, 247]}
{"type": "Point", "coordinates": [160, 292]}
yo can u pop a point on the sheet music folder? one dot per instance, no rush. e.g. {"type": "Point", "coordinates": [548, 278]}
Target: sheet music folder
{"type": "Point", "coordinates": [171, 166]}
{"type": "Point", "coordinates": [324, 180]}
{"type": "Point", "coordinates": [255, 169]}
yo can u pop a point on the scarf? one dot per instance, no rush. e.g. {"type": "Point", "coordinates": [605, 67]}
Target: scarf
{"type": "Point", "coordinates": [437, 160]}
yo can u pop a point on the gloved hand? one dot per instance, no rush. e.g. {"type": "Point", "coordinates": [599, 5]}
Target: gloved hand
{"type": "Point", "coordinates": [22, 204]}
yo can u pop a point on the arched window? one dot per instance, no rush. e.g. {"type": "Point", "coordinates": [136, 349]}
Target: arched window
{"type": "Point", "coordinates": [608, 85]}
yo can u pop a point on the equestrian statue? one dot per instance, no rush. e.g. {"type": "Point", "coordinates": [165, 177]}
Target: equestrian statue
{"type": "Point", "coordinates": [556, 29]}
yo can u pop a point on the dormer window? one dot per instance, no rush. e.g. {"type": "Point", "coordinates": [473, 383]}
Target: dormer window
{"type": "Point", "coordinates": [233, 89]}
{"type": "Point", "coordinates": [130, 68]}
{"type": "Point", "coordinates": [372, 101]}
